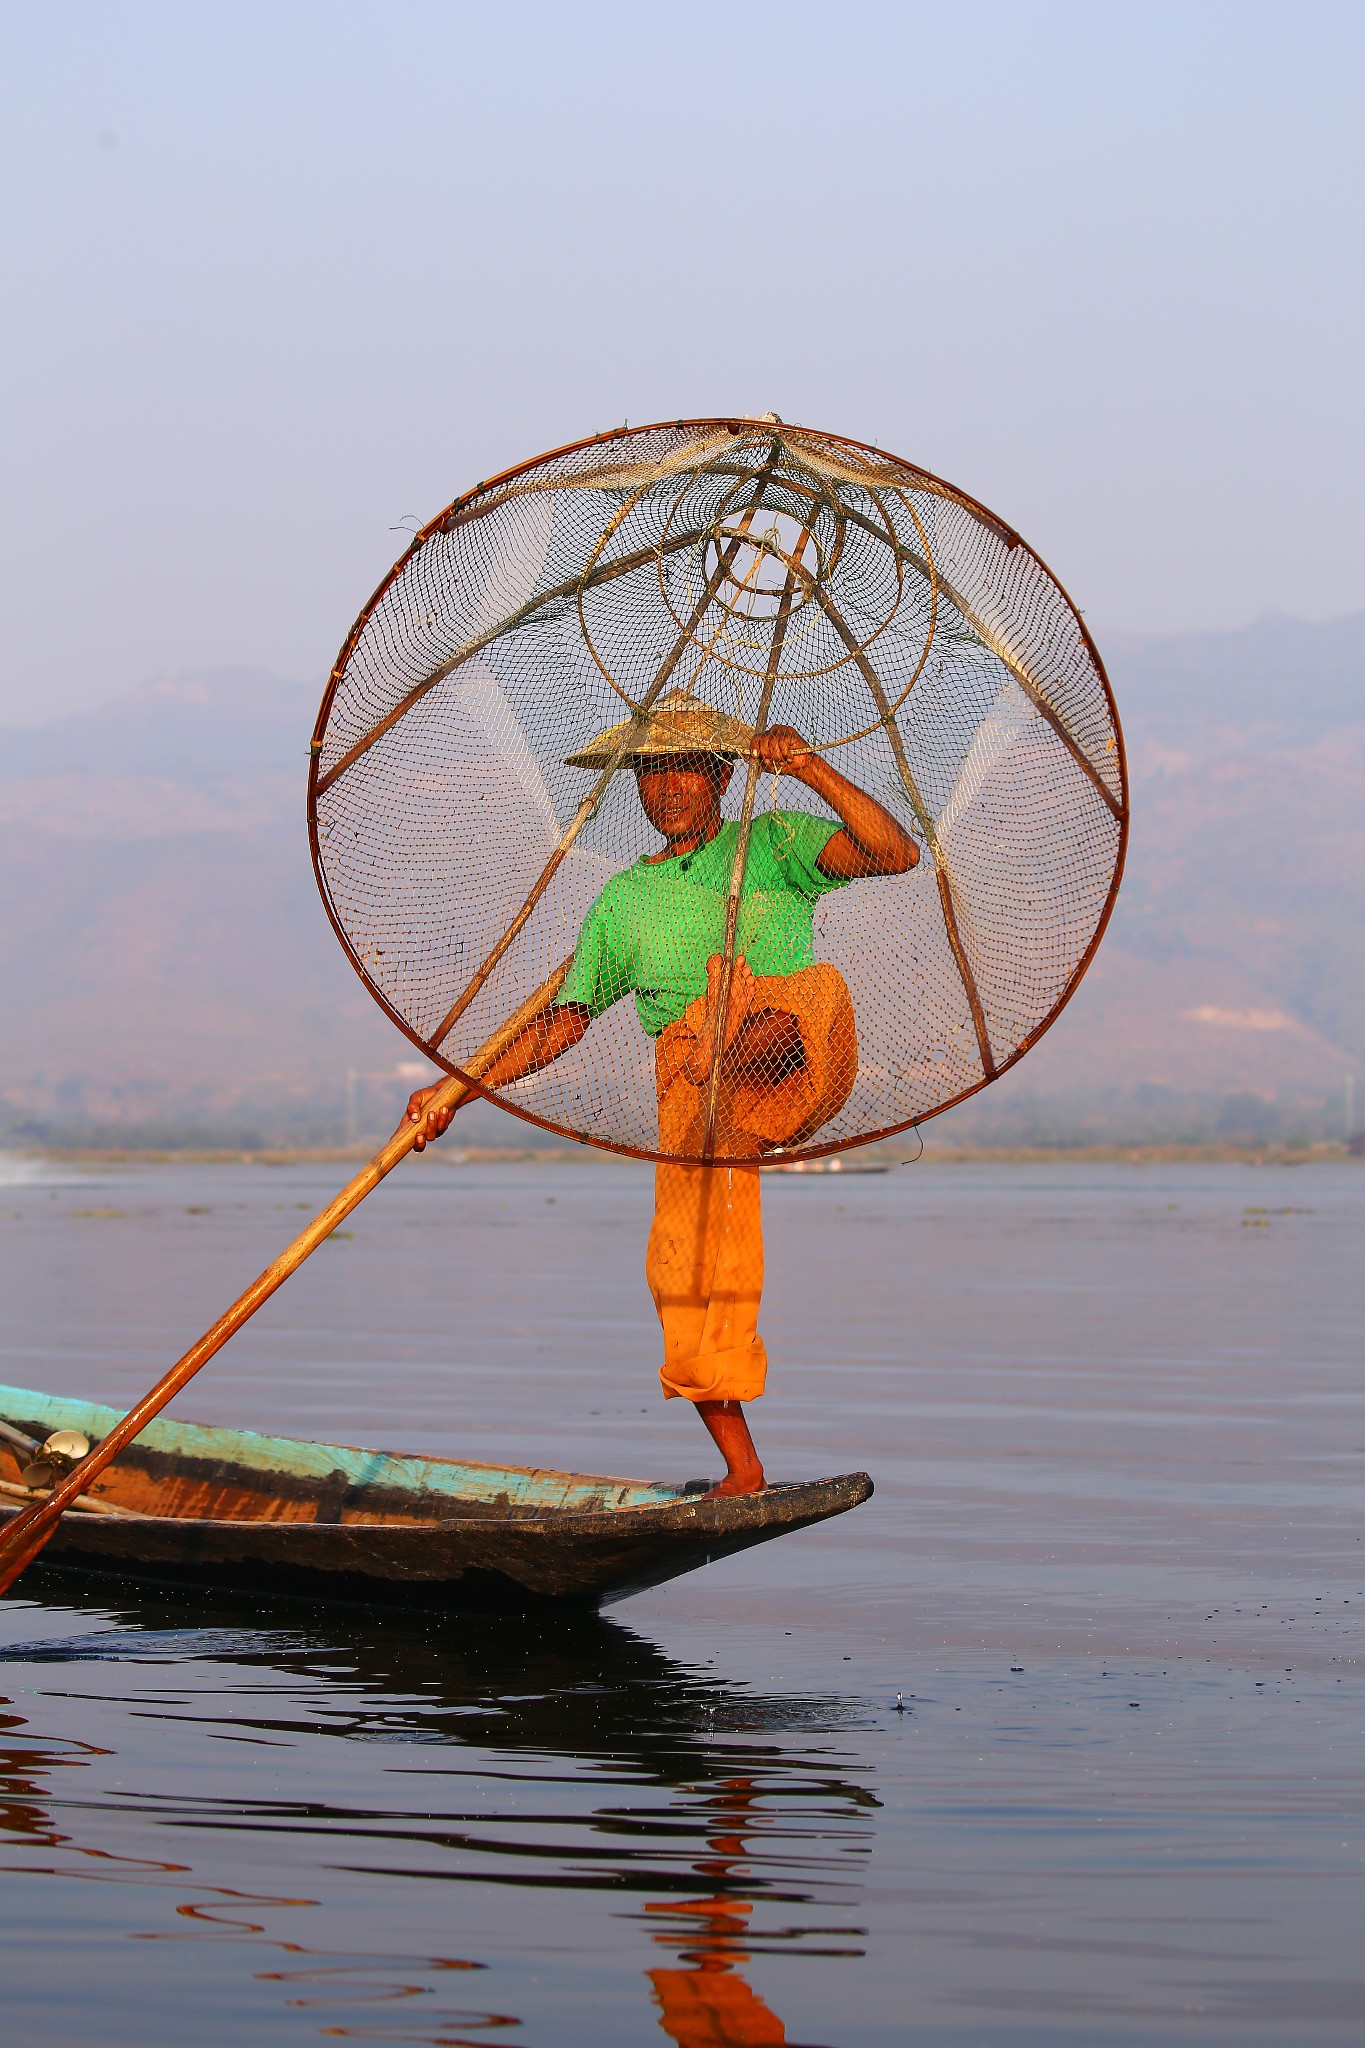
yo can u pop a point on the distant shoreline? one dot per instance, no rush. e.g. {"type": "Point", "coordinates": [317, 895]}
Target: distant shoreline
{"type": "Point", "coordinates": [864, 1156]}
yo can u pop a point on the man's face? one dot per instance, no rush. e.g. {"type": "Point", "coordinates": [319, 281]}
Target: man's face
{"type": "Point", "coordinates": [681, 793]}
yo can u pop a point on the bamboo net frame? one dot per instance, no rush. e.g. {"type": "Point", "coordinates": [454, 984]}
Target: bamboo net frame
{"type": "Point", "coordinates": [781, 576]}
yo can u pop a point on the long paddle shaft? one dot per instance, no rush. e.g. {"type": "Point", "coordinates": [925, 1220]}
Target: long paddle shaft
{"type": "Point", "coordinates": [31, 1528]}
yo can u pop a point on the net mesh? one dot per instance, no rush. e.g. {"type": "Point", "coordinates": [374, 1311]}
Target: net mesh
{"type": "Point", "coordinates": [780, 577]}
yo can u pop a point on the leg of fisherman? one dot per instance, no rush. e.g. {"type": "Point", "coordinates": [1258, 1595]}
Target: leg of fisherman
{"type": "Point", "coordinates": [730, 1434]}
{"type": "Point", "coordinates": [705, 1271]}
{"type": "Point", "coordinates": [790, 1058]}
{"type": "Point", "coordinates": [705, 1259]}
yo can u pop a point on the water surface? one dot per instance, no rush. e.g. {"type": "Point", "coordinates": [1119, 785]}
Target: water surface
{"type": "Point", "coordinates": [1113, 1571]}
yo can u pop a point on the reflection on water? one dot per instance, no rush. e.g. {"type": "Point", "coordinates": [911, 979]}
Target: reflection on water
{"type": "Point", "coordinates": [1113, 1567]}
{"type": "Point", "coordinates": [709, 2004]}
{"type": "Point", "coordinates": [576, 1759]}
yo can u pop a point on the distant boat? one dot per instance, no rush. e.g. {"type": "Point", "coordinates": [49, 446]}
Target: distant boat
{"type": "Point", "coordinates": [834, 1165]}
{"type": "Point", "coordinates": [227, 1508]}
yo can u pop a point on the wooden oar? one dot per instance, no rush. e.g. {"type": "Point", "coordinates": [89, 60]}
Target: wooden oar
{"type": "Point", "coordinates": [30, 1529]}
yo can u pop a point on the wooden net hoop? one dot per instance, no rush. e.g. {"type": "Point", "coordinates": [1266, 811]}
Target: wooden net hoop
{"type": "Point", "coordinates": [780, 576]}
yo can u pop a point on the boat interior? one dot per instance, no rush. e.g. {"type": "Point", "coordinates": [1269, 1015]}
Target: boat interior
{"type": "Point", "coordinates": [195, 1473]}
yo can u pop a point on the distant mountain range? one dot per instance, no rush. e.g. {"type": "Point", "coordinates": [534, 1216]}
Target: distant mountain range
{"type": "Point", "coordinates": [171, 976]}
{"type": "Point", "coordinates": [1228, 996]}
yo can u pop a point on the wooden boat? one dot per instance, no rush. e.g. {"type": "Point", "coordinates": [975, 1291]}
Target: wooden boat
{"type": "Point", "coordinates": [269, 1514]}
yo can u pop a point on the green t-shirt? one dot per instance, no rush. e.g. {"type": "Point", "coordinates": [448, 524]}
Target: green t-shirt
{"type": "Point", "coordinates": [655, 926]}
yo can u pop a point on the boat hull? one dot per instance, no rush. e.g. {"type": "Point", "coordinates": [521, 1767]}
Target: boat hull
{"type": "Point", "coordinates": [480, 1565]}
{"type": "Point", "coordinates": [331, 1522]}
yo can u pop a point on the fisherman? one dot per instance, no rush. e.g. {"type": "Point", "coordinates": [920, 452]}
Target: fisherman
{"type": "Point", "coordinates": [790, 1053]}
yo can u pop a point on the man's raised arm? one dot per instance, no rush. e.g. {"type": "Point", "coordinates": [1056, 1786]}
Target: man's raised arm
{"type": "Point", "coordinates": [872, 841]}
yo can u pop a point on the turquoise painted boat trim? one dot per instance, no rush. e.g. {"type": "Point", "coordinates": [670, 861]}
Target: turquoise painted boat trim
{"type": "Point", "coordinates": [520, 1485]}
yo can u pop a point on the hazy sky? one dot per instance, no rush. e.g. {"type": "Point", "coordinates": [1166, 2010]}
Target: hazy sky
{"type": "Point", "coordinates": [279, 275]}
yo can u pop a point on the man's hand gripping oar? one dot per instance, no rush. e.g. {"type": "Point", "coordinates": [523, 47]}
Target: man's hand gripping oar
{"type": "Point", "coordinates": [32, 1526]}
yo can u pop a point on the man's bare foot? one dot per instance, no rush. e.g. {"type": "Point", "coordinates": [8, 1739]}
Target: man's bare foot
{"type": "Point", "coordinates": [730, 1433]}
{"type": "Point", "coordinates": [735, 1483]}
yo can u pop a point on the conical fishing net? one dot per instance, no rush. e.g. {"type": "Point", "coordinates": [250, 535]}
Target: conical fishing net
{"type": "Point", "coordinates": [666, 592]}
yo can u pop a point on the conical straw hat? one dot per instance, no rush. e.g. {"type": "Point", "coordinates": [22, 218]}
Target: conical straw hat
{"type": "Point", "coordinates": [678, 724]}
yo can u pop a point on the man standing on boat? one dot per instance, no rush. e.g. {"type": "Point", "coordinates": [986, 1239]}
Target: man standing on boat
{"type": "Point", "coordinates": [790, 1057]}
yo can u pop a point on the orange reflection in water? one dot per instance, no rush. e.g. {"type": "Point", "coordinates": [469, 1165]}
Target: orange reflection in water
{"type": "Point", "coordinates": [710, 2005]}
